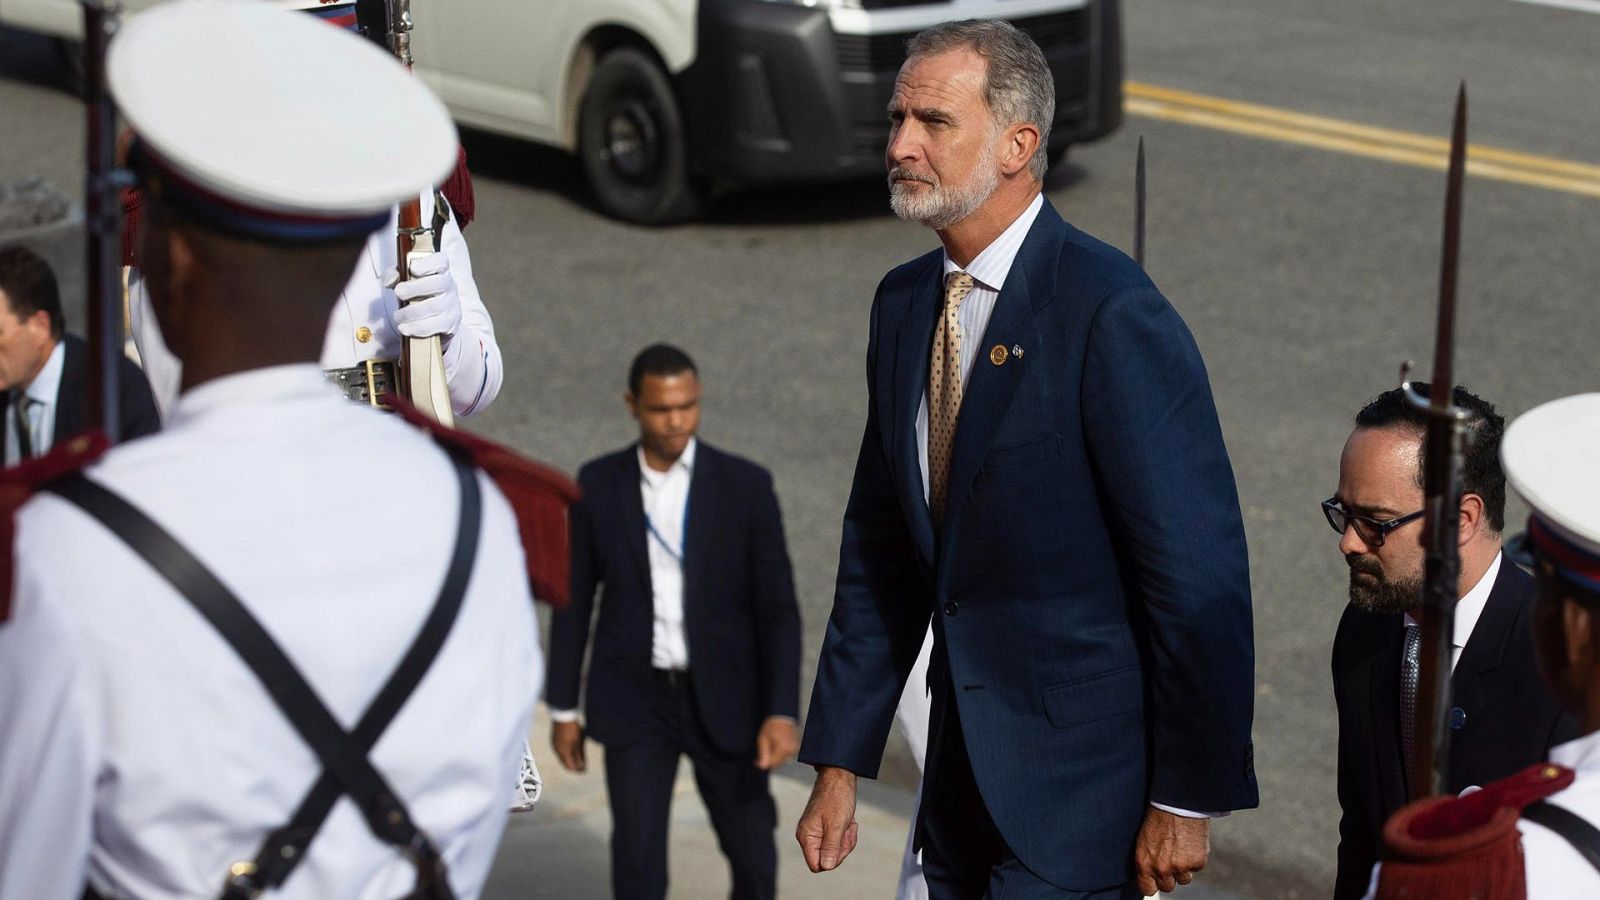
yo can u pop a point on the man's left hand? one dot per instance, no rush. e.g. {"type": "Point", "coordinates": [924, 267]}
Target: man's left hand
{"type": "Point", "coordinates": [430, 304]}
{"type": "Point", "coordinates": [777, 742]}
{"type": "Point", "coordinates": [1171, 848]}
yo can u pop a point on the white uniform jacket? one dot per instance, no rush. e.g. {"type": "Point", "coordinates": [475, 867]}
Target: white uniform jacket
{"type": "Point", "coordinates": [1555, 870]}
{"type": "Point", "coordinates": [140, 753]}
{"type": "Point", "coordinates": [362, 324]}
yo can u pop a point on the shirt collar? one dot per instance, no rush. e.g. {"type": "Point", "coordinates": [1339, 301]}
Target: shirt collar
{"type": "Point", "coordinates": [1580, 753]}
{"type": "Point", "coordinates": [46, 385]}
{"type": "Point", "coordinates": [685, 463]}
{"type": "Point", "coordinates": [256, 387]}
{"type": "Point", "coordinates": [1471, 605]}
{"type": "Point", "coordinates": [991, 266]}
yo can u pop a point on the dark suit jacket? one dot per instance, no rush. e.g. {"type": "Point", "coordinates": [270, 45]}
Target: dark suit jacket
{"type": "Point", "coordinates": [740, 615]}
{"type": "Point", "coordinates": [1090, 574]}
{"type": "Point", "coordinates": [1512, 721]}
{"type": "Point", "coordinates": [138, 415]}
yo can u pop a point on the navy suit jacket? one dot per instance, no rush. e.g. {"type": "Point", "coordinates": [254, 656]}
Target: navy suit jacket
{"type": "Point", "coordinates": [1512, 720]}
{"type": "Point", "coordinates": [740, 615]}
{"type": "Point", "coordinates": [138, 413]}
{"type": "Point", "coordinates": [1090, 574]}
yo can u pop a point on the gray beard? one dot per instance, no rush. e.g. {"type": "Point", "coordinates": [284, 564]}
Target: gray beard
{"type": "Point", "coordinates": [941, 207]}
{"type": "Point", "coordinates": [1382, 596]}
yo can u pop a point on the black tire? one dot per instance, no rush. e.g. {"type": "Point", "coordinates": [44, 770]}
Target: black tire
{"type": "Point", "coordinates": [633, 143]}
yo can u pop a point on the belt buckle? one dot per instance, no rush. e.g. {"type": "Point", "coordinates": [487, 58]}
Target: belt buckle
{"type": "Point", "coordinates": [373, 369]}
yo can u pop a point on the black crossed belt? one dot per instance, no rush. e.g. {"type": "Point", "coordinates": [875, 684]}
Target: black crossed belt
{"type": "Point", "coordinates": [367, 382]}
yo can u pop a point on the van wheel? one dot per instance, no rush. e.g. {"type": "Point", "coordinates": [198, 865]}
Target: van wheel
{"type": "Point", "coordinates": [633, 144]}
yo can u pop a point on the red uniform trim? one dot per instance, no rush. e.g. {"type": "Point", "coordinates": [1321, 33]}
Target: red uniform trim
{"type": "Point", "coordinates": [20, 482]}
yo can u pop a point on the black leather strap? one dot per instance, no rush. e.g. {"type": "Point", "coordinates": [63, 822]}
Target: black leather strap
{"type": "Point", "coordinates": [1583, 837]}
{"type": "Point", "coordinates": [343, 754]}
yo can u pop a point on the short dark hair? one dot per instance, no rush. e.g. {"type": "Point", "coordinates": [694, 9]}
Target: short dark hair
{"type": "Point", "coordinates": [1480, 465]}
{"type": "Point", "coordinates": [30, 285]}
{"type": "Point", "coordinates": [658, 359]}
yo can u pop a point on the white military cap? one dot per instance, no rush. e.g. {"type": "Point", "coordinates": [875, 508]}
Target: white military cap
{"type": "Point", "coordinates": [1551, 456]}
{"type": "Point", "coordinates": [270, 123]}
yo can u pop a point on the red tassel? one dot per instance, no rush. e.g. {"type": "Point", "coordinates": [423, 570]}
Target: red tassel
{"type": "Point", "coordinates": [539, 496]}
{"type": "Point", "coordinates": [20, 482]}
{"type": "Point", "coordinates": [458, 190]}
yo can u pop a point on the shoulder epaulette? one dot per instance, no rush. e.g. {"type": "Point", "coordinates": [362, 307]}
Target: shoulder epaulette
{"type": "Point", "coordinates": [1465, 846]}
{"type": "Point", "coordinates": [22, 481]}
{"type": "Point", "coordinates": [539, 495]}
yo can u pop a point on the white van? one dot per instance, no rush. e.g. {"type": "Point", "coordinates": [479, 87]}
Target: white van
{"type": "Point", "coordinates": [662, 99]}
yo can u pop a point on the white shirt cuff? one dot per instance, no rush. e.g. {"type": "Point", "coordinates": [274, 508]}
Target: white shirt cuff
{"type": "Point", "coordinates": [1186, 813]}
{"type": "Point", "coordinates": [563, 715]}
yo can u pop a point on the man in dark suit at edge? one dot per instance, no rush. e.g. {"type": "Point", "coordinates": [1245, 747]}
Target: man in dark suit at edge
{"type": "Point", "coordinates": [1502, 716]}
{"type": "Point", "coordinates": [1043, 473]}
{"type": "Point", "coordinates": [44, 370]}
{"type": "Point", "coordinates": [697, 640]}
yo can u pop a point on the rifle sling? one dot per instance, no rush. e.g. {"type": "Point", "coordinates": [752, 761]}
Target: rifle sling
{"type": "Point", "coordinates": [1583, 837]}
{"type": "Point", "coordinates": [346, 768]}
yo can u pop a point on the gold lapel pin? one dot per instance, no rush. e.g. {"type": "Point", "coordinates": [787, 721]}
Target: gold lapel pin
{"type": "Point", "coordinates": [998, 354]}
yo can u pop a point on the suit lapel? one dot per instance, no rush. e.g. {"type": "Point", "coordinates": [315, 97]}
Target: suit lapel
{"type": "Point", "coordinates": [913, 345]}
{"type": "Point", "coordinates": [700, 516]}
{"type": "Point", "coordinates": [631, 504]}
{"type": "Point", "coordinates": [71, 396]}
{"type": "Point", "coordinates": [1384, 676]}
{"type": "Point", "coordinates": [1486, 645]}
{"type": "Point", "coordinates": [989, 388]}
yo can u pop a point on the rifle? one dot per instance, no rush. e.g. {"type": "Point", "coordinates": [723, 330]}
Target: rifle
{"type": "Point", "coordinates": [102, 218]}
{"type": "Point", "coordinates": [422, 375]}
{"type": "Point", "coordinates": [1442, 486]}
{"type": "Point", "coordinates": [1138, 206]}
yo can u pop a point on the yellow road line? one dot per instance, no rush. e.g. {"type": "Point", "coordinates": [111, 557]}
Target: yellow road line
{"type": "Point", "coordinates": [1403, 147]}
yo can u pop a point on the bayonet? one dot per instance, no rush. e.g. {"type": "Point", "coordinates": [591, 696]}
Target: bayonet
{"type": "Point", "coordinates": [102, 221]}
{"type": "Point", "coordinates": [1138, 206]}
{"type": "Point", "coordinates": [1442, 487]}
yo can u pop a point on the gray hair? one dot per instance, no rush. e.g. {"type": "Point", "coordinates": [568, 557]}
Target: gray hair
{"type": "Point", "coordinates": [1017, 86]}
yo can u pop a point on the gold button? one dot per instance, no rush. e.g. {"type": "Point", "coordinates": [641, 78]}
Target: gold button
{"type": "Point", "coordinates": [998, 354]}
{"type": "Point", "coordinates": [363, 334]}
{"type": "Point", "coordinates": [1550, 772]}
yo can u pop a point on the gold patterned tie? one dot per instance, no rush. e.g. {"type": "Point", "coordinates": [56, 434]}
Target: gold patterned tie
{"type": "Point", "coordinates": [944, 390]}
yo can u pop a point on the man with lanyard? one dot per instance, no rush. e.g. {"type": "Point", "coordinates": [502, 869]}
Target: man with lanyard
{"type": "Point", "coordinates": [214, 678]}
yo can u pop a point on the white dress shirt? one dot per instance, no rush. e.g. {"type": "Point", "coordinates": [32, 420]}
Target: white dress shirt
{"type": "Point", "coordinates": [143, 756]}
{"type": "Point", "coordinates": [666, 511]}
{"type": "Point", "coordinates": [1468, 609]}
{"type": "Point", "coordinates": [44, 391]}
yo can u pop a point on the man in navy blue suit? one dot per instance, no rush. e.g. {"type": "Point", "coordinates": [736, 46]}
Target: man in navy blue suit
{"type": "Point", "coordinates": [1044, 475]}
{"type": "Point", "coordinates": [697, 641]}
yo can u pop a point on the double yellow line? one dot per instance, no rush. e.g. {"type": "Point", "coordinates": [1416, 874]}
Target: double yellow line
{"type": "Point", "coordinates": [1403, 147]}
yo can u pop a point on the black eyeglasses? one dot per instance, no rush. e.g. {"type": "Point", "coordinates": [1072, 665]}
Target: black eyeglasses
{"type": "Point", "coordinates": [1371, 531]}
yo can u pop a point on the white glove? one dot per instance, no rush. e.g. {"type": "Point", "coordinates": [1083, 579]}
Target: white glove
{"type": "Point", "coordinates": [430, 304]}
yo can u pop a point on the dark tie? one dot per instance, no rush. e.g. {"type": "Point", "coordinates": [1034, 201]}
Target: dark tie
{"type": "Point", "coordinates": [20, 404]}
{"type": "Point", "coordinates": [1408, 693]}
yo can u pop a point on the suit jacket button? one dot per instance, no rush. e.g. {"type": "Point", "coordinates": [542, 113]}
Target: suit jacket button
{"type": "Point", "coordinates": [950, 608]}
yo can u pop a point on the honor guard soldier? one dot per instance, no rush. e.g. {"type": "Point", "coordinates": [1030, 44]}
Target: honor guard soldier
{"type": "Point", "coordinates": [1535, 835]}
{"type": "Point", "coordinates": [376, 311]}
{"type": "Point", "coordinates": [288, 644]}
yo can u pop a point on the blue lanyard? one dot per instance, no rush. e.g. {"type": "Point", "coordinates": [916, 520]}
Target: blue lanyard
{"type": "Point", "coordinates": [683, 535]}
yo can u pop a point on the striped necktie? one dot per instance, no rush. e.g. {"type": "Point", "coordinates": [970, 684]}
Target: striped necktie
{"type": "Point", "coordinates": [22, 421]}
{"type": "Point", "coordinates": [944, 390]}
{"type": "Point", "coordinates": [1409, 672]}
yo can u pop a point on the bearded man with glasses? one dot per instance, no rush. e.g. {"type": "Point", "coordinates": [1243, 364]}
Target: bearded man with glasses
{"type": "Point", "coordinates": [1501, 715]}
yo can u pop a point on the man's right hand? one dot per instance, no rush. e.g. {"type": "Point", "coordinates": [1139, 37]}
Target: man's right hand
{"type": "Point", "coordinates": [567, 739]}
{"type": "Point", "coordinates": [827, 829]}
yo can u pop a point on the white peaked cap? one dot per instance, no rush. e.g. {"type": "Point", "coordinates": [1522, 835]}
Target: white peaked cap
{"type": "Point", "coordinates": [1552, 458]}
{"type": "Point", "coordinates": [273, 110]}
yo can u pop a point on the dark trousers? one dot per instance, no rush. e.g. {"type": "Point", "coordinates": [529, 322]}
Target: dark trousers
{"type": "Point", "coordinates": [964, 856]}
{"type": "Point", "coordinates": [639, 778]}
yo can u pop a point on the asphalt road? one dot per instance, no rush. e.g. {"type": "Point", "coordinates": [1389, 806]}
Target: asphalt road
{"type": "Point", "coordinates": [1306, 275]}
